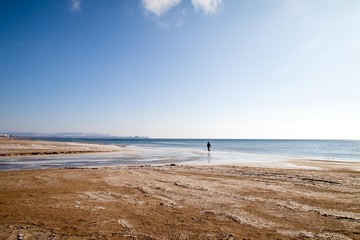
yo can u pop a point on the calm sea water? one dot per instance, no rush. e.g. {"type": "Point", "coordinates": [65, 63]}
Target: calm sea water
{"type": "Point", "coordinates": [322, 149]}
{"type": "Point", "coordinates": [182, 151]}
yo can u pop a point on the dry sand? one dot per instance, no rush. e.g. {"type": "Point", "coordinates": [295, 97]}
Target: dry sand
{"type": "Point", "coordinates": [176, 202]}
{"type": "Point", "coordinates": [180, 202]}
{"type": "Point", "coordinates": [22, 147]}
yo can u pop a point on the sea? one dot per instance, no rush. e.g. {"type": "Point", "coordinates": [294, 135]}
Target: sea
{"type": "Point", "coordinates": [143, 151]}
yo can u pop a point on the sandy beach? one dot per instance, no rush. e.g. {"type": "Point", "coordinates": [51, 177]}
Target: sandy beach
{"type": "Point", "coordinates": [24, 147]}
{"type": "Point", "coordinates": [181, 202]}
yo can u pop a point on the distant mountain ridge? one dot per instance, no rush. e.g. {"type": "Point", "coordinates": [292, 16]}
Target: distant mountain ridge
{"type": "Point", "coordinates": [68, 135]}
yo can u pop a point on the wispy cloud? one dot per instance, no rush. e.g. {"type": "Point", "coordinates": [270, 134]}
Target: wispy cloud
{"type": "Point", "coordinates": [208, 6]}
{"type": "Point", "coordinates": [75, 5]}
{"type": "Point", "coordinates": [159, 7]}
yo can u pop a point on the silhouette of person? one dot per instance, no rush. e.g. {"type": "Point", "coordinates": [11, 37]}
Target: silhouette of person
{"type": "Point", "coordinates": [208, 146]}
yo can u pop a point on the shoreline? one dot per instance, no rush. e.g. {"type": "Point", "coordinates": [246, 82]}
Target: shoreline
{"type": "Point", "coordinates": [38, 154]}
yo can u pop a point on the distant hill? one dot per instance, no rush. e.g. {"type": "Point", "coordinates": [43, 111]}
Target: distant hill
{"type": "Point", "coordinates": [68, 135]}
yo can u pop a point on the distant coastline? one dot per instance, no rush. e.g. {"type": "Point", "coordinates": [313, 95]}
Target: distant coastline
{"type": "Point", "coordinates": [68, 135]}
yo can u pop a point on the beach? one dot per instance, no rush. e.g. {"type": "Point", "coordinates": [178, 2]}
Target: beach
{"type": "Point", "coordinates": [28, 147]}
{"type": "Point", "coordinates": [182, 201]}
{"type": "Point", "coordinates": [180, 119]}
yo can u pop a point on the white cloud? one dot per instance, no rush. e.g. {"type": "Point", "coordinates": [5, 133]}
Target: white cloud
{"type": "Point", "coordinates": [208, 6]}
{"type": "Point", "coordinates": [159, 7]}
{"type": "Point", "coordinates": [75, 5]}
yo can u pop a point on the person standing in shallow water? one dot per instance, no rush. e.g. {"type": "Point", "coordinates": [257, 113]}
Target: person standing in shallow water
{"type": "Point", "coordinates": [208, 146]}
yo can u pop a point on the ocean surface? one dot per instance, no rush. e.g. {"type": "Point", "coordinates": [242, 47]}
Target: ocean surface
{"type": "Point", "coordinates": [179, 151]}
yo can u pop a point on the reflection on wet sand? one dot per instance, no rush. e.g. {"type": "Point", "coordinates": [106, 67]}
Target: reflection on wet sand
{"type": "Point", "coordinates": [132, 156]}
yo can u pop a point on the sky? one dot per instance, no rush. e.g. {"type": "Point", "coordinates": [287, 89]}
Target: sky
{"type": "Point", "coordinates": [287, 69]}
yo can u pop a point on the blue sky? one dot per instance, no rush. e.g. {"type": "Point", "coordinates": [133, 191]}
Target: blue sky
{"type": "Point", "coordinates": [182, 68]}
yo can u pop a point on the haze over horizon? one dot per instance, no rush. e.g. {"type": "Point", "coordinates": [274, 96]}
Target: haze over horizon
{"type": "Point", "coordinates": [265, 69]}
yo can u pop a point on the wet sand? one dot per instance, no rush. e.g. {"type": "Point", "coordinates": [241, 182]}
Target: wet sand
{"type": "Point", "coordinates": [180, 202]}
